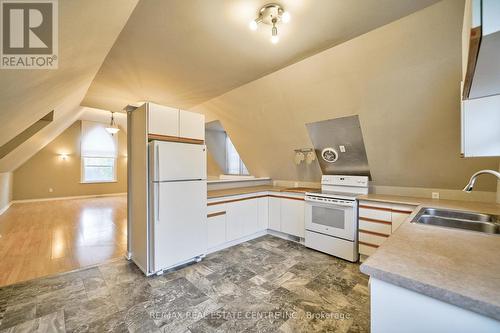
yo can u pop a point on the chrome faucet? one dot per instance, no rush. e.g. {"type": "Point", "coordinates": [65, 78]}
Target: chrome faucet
{"type": "Point", "coordinates": [470, 185]}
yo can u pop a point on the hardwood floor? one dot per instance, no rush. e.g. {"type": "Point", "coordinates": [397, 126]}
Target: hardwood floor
{"type": "Point", "coordinates": [43, 238]}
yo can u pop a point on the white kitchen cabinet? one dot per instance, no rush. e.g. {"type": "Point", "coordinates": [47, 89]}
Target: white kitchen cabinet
{"type": "Point", "coordinates": [234, 221]}
{"type": "Point", "coordinates": [274, 213]}
{"type": "Point", "coordinates": [263, 213]}
{"type": "Point", "coordinates": [191, 125]}
{"type": "Point", "coordinates": [481, 49]}
{"type": "Point", "coordinates": [163, 120]}
{"type": "Point", "coordinates": [251, 217]}
{"type": "Point", "coordinates": [231, 219]}
{"type": "Point", "coordinates": [480, 127]}
{"type": "Point", "coordinates": [216, 229]}
{"type": "Point", "coordinates": [292, 217]}
{"type": "Point", "coordinates": [175, 123]}
{"type": "Point", "coordinates": [242, 218]}
{"type": "Point", "coordinates": [377, 221]}
{"type": "Point", "coordinates": [395, 309]}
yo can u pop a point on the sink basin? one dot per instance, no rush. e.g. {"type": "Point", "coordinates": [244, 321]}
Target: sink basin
{"type": "Point", "coordinates": [486, 223]}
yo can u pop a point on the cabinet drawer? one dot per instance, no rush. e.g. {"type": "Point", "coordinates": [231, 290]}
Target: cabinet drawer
{"type": "Point", "coordinates": [216, 208]}
{"type": "Point", "coordinates": [375, 211]}
{"type": "Point", "coordinates": [380, 215]}
{"type": "Point", "coordinates": [371, 238]}
{"type": "Point", "coordinates": [366, 250]}
{"type": "Point", "coordinates": [375, 227]}
{"type": "Point", "coordinates": [403, 209]}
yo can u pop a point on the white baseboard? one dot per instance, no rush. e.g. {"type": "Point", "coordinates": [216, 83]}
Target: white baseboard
{"type": "Point", "coordinates": [70, 197]}
{"type": "Point", "coordinates": [285, 236]}
{"type": "Point", "coordinates": [4, 208]}
{"type": "Point", "coordinates": [253, 236]}
{"type": "Point", "coordinates": [236, 241]}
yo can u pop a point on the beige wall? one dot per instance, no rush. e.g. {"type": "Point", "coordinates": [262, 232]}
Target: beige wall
{"type": "Point", "coordinates": [213, 168]}
{"type": "Point", "coordinates": [402, 80]}
{"type": "Point", "coordinates": [216, 147]}
{"type": "Point", "coordinates": [5, 190]}
{"type": "Point", "coordinates": [46, 170]}
{"type": "Point", "coordinates": [498, 187]}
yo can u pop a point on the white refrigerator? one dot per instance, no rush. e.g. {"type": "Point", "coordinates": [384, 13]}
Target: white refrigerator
{"type": "Point", "coordinates": [178, 204]}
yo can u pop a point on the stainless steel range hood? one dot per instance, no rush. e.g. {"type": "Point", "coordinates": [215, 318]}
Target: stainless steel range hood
{"type": "Point", "coordinates": [339, 146]}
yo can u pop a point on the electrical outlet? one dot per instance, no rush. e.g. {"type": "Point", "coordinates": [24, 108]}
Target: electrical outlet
{"type": "Point", "coordinates": [51, 190]}
{"type": "Point", "coordinates": [435, 195]}
{"type": "Point", "coordinates": [296, 184]}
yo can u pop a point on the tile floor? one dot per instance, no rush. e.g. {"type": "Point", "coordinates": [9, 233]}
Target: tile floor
{"type": "Point", "coordinates": [265, 285]}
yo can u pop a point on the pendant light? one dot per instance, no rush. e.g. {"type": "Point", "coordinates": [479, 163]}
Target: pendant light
{"type": "Point", "coordinates": [112, 128]}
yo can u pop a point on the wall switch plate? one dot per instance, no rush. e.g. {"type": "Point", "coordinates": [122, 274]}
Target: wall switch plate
{"type": "Point", "coordinates": [342, 149]}
{"type": "Point", "coordinates": [435, 195]}
{"type": "Point", "coordinates": [51, 190]}
{"type": "Point", "coordinates": [295, 184]}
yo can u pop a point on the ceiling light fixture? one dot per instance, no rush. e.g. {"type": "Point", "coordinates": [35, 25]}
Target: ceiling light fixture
{"type": "Point", "coordinates": [271, 14]}
{"type": "Point", "coordinates": [112, 128]}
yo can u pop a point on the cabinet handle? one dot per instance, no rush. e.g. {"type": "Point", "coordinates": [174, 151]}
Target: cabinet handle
{"type": "Point", "coordinates": [216, 214]}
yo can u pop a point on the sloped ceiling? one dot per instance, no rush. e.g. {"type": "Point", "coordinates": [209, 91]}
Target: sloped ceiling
{"type": "Point", "coordinates": [403, 80]}
{"type": "Point", "coordinates": [182, 53]}
{"type": "Point", "coordinates": [87, 31]}
{"type": "Point", "coordinates": [103, 116]}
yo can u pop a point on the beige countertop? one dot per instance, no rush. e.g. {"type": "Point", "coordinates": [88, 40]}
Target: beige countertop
{"type": "Point", "coordinates": [459, 267]}
{"type": "Point", "coordinates": [483, 207]}
{"type": "Point", "coordinates": [256, 189]}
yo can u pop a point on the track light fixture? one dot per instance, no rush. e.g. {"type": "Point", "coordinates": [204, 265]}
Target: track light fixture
{"type": "Point", "coordinates": [271, 14]}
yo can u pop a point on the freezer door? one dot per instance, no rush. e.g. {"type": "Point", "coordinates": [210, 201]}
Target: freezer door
{"type": "Point", "coordinates": [173, 161]}
{"type": "Point", "coordinates": [179, 223]}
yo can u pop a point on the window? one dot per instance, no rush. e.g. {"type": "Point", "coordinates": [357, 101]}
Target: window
{"type": "Point", "coordinates": [234, 164]}
{"type": "Point", "coordinates": [98, 169]}
{"type": "Point", "coordinates": [223, 152]}
{"type": "Point", "coordinates": [99, 153]}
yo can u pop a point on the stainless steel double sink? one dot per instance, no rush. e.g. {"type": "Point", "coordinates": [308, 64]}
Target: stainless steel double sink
{"type": "Point", "coordinates": [485, 223]}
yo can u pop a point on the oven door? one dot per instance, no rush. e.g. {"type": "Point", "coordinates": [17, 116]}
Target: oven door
{"type": "Point", "coordinates": [331, 219]}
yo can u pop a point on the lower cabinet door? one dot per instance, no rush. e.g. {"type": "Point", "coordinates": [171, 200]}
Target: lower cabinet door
{"type": "Point", "coordinates": [242, 218]}
{"type": "Point", "coordinates": [263, 213]}
{"type": "Point", "coordinates": [234, 223]}
{"type": "Point", "coordinates": [216, 230]}
{"type": "Point", "coordinates": [250, 216]}
{"type": "Point", "coordinates": [274, 214]}
{"type": "Point", "coordinates": [292, 217]}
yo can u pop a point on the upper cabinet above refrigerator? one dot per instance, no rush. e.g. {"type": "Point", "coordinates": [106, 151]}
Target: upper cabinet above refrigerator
{"type": "Point", "coordinates": [167, 123]}
{"type": "Point", "coordinates": [191, 125]}
{"type": "Point", "coordinates": [481, 49]}
{"type": "Point", "coordinates": [163, 120]}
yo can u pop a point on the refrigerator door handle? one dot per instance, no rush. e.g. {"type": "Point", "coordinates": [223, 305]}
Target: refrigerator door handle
{"type": "Point", "coordinates": [157, 161]}
{"type": "Point", "coordinates": [157, 206]}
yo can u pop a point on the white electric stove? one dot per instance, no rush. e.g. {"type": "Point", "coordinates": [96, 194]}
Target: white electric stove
{"type": "Point", "coordinates": [331, 218]}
